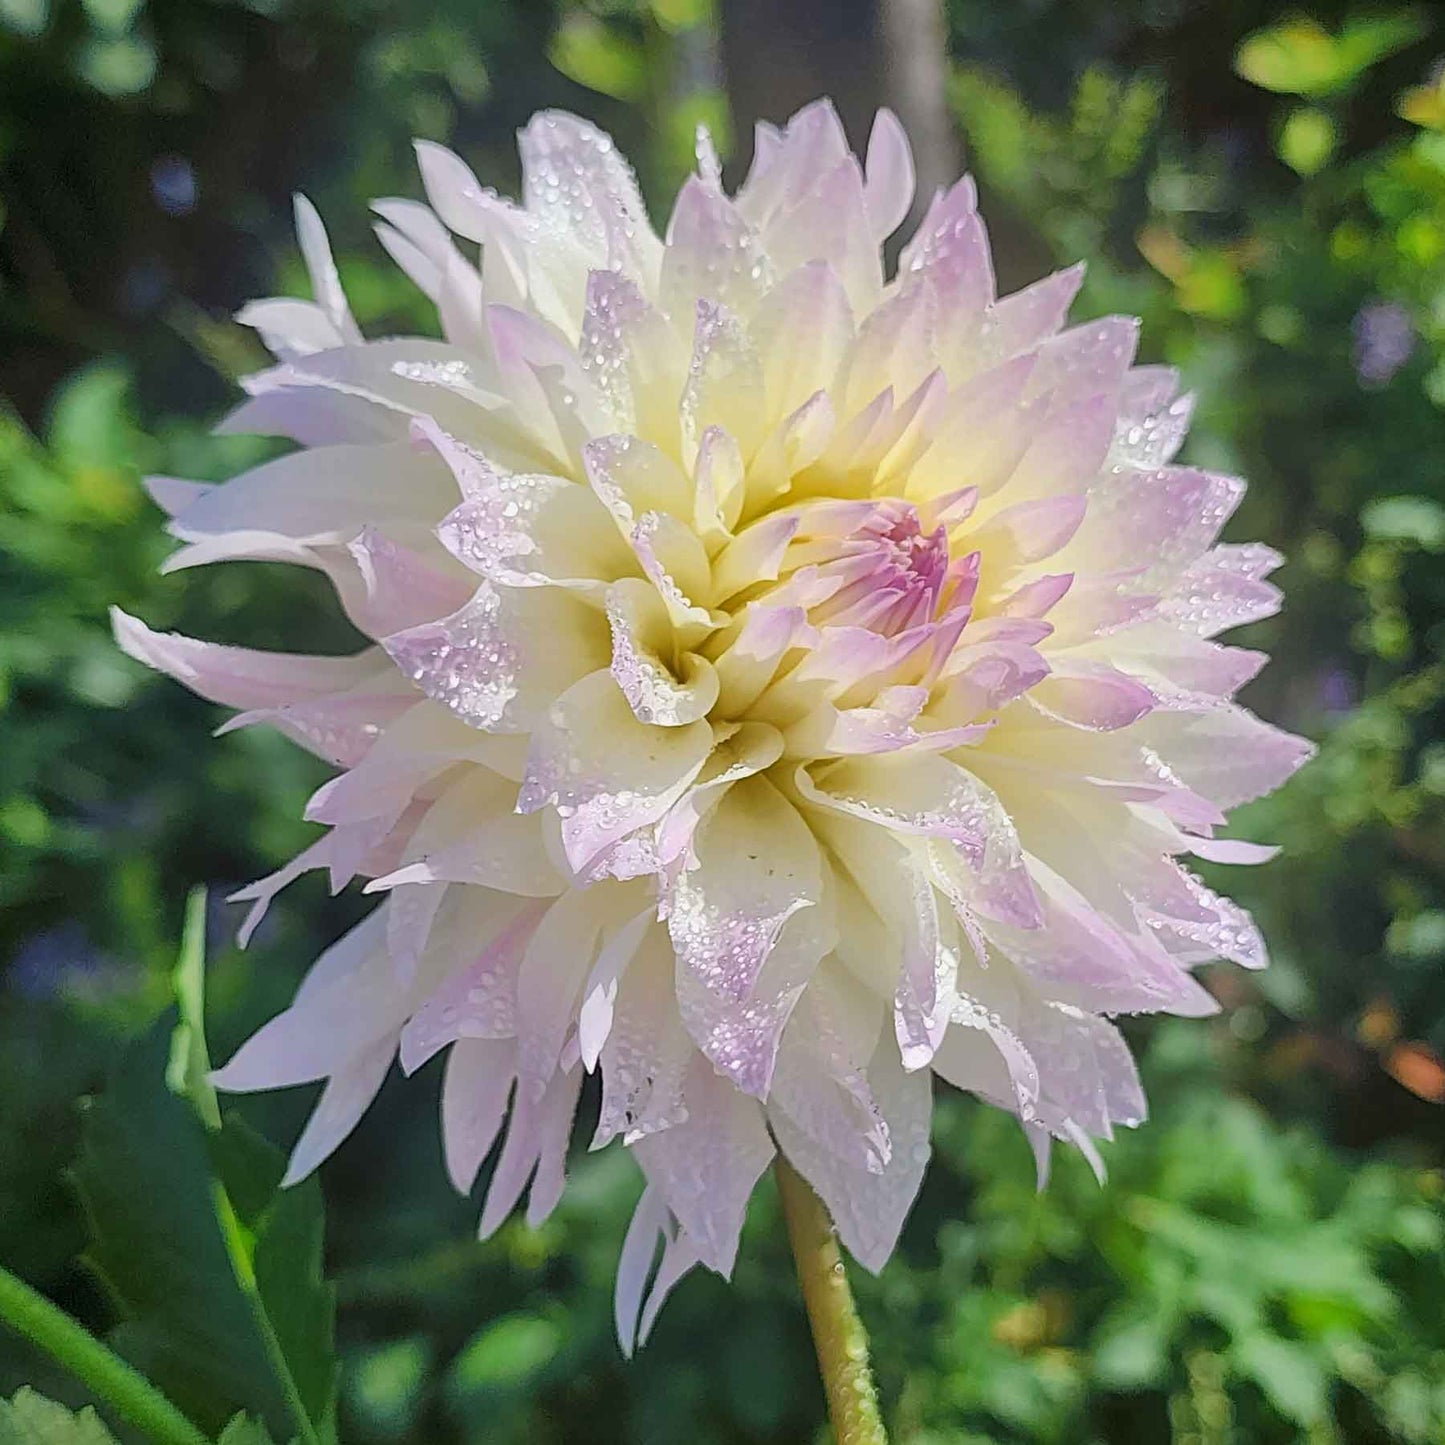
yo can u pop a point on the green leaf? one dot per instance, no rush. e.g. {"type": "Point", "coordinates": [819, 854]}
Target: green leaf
{"type": "Point", "coordinates": [385, 1386]}
{"type": "Point", "coordinates": [1297, 57]}
{"type": "Point", "coordinates": [31, 1419]}
{"type": "Point", "coordinates": [1131, 1354]}
{"type": "Point", "coordinates": [219, 1277]}
{"type": "Point", "coordinates": [118, 65]}
{"type": "Point", "coordinates": [1290, 1375]}
{"type": "Point", "coordinates": [1420, 520]}
{"type": "Point", "coordinates": [276, 1252]}
{"type": "Point", "coordinates": [144, 1180]}
{"type": "Point", "coordinates": [114, 16]}
{"type": "Point", "coordinates": [25, 17]}
{"type": "Point", "coordinates": [1307, 140]}
{"type": "Point", "coordinates": [585, 50]}
{"type": "Point", "coordinates": [1367, 39]}
{"type": "Point", "coordinates": [507, 1354]}
{"type": "Point", "coordinates": [243, 1430]}
{"type": "Point", "coordinates": [1300, 57]}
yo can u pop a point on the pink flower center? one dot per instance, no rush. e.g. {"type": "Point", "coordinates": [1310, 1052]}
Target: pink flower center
{"type": "Point", "coordinates": [890, 572]}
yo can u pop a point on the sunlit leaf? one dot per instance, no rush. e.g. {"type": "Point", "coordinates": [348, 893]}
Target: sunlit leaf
{"type": "Point", "coordinates": [189, 1062]}
{"type": "Point", "coordinates": [25, 17]}
{"type": "Point", "coordinates": [594, 55]}
{"type": "Point", "coordinates": [385, 1386]}
{"type": "Point", "coordinates": [1129, 1354]}
{"type": "Point", "coordinates": [1300, 57]}
{"type": "Point", "coordinates": [1424, 105]}
{"type": "Point", "coordinates": [677, 16]}
{"type": "Point", "coordinates": [506, 1354]}
{"type": "Point", "coordinates": [1365, 39]}
{"type": "Point", "coordinates": [114, 16]}
{"type": "Point", "coordinates": [118, 64]}
{"type": "Point", "coordinates": [1292, 1377]}
{"type": "Point", "coordinates": [1420, 520]}
{"type": "Point", "coordinates": [1307, 140]}
{"type": "Point", "coordinates": [31, 1419]}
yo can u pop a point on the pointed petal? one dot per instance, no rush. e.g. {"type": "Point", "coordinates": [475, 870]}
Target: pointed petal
{"type": "Point", "coordinates": [869, 1208]}
{"type": "Point", "coordinates": [346, 1097]}
{"type": "Point", "coordinates": [706, 1167]}
{"type": "Point", "coordinates": [742, 956]}
{"type": "Point", "coordinates": [238, 676]}
{"type": "Point", "coordinates": [475, 1090]}
{"type": "Point", "coordinates": [888, 192]}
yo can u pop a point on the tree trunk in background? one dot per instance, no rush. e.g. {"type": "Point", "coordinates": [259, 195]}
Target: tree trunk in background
{"type": "Point", "coordinates": [780, 54]}
{"type": "Point", "coordinates": [914, 39]}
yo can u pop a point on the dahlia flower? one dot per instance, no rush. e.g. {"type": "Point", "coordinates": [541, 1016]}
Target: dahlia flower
{"type": "Point", "coordinates": [789, 683]}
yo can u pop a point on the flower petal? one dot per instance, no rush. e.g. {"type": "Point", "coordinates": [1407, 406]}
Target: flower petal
{"type": "Point", "coordinates": [888, 191]}
{"type": "Point", "coordinates": [605, 772]}
{"type": "Point", "coordinates": [478, 1000]}
{"type": "Point", "coordinates": [641, 632]}
{"type": "Point", "coordinates": [499, 662]}
{"type": "Point", "coordinates": [475, 1089]}
{"type": "Point", "coordinates": [706, 1167]}
{"type": "Point", "coordinates": [742, 955]}
{"type": "Point", "coordinates": [346, 1097]}
{"type": "Point", "coordinates": [869, 1208]}
{"type": "Point", "coordinates": [238, 676]}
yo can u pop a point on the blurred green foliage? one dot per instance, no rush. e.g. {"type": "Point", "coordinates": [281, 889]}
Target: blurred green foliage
{"type": "Point", "coordinates": [1265, 185]}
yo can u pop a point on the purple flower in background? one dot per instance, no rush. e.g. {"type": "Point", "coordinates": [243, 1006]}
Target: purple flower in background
{"type": "Point", "coordinates": [63, 961]}
{"type": "Point", "coordinates": [173, 185]}
{"type": "Point", "coordinates": [1384, 340]}
{"type": "Point", "coordinates": [1338, 694]}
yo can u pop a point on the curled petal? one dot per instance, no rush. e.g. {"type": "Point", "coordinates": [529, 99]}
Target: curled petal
{"type": "Point", "coordinates": [498, 662]}
{"type": "Point", "coordinates": [1091, 695]}
{"type": "Point", "coordinates": [641, 632]}
{"type": "Point", "coordinates": [802, 333]}
{"type": "Point", "coordinates": [346, 1097]}
{"type": "Point", "coordinates": [577, 183]}
{"type": "Point", "coordinates": [535, 1152]}
{"type": "Point", "coordinates": [237, 676]}
{"type": "Point", "coordinates": [1227, 754]}
{"type": "Point", "coordinates": [479, 999]}
{"type": "Point", "coordinates": [471, 834]}
{"type": "Point", "coordinates": [606, 773]}
{"type": "Point", "coordinates": [647, 1052]}
{"type": "Point", "coordinates": [712, 253]}
{"type": "Point", "coordinates": [399, 587]}
{"type": "Point", "coordinates": [325, 494]}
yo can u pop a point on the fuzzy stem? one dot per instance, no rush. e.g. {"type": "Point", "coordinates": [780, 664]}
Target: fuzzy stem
{"type": "Point", "coordinates": [130, 1395]}
{"type": "Point", "coordinates": [839, 1338]}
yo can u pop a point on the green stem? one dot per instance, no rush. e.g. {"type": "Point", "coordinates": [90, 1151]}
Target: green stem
{"type": "Point", "coordinates": [128, 1393]}
{"type": "Point", "coordinates": [245, 1277]}
{"type": "Point", "coordinates": [839, 1338]}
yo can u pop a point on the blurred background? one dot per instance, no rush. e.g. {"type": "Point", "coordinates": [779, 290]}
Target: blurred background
{"type": "Point", "coordinates": [1265, 185]}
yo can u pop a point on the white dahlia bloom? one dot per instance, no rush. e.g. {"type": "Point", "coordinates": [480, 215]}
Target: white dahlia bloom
{"type": "Point", "coordinates": [789, 683]}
